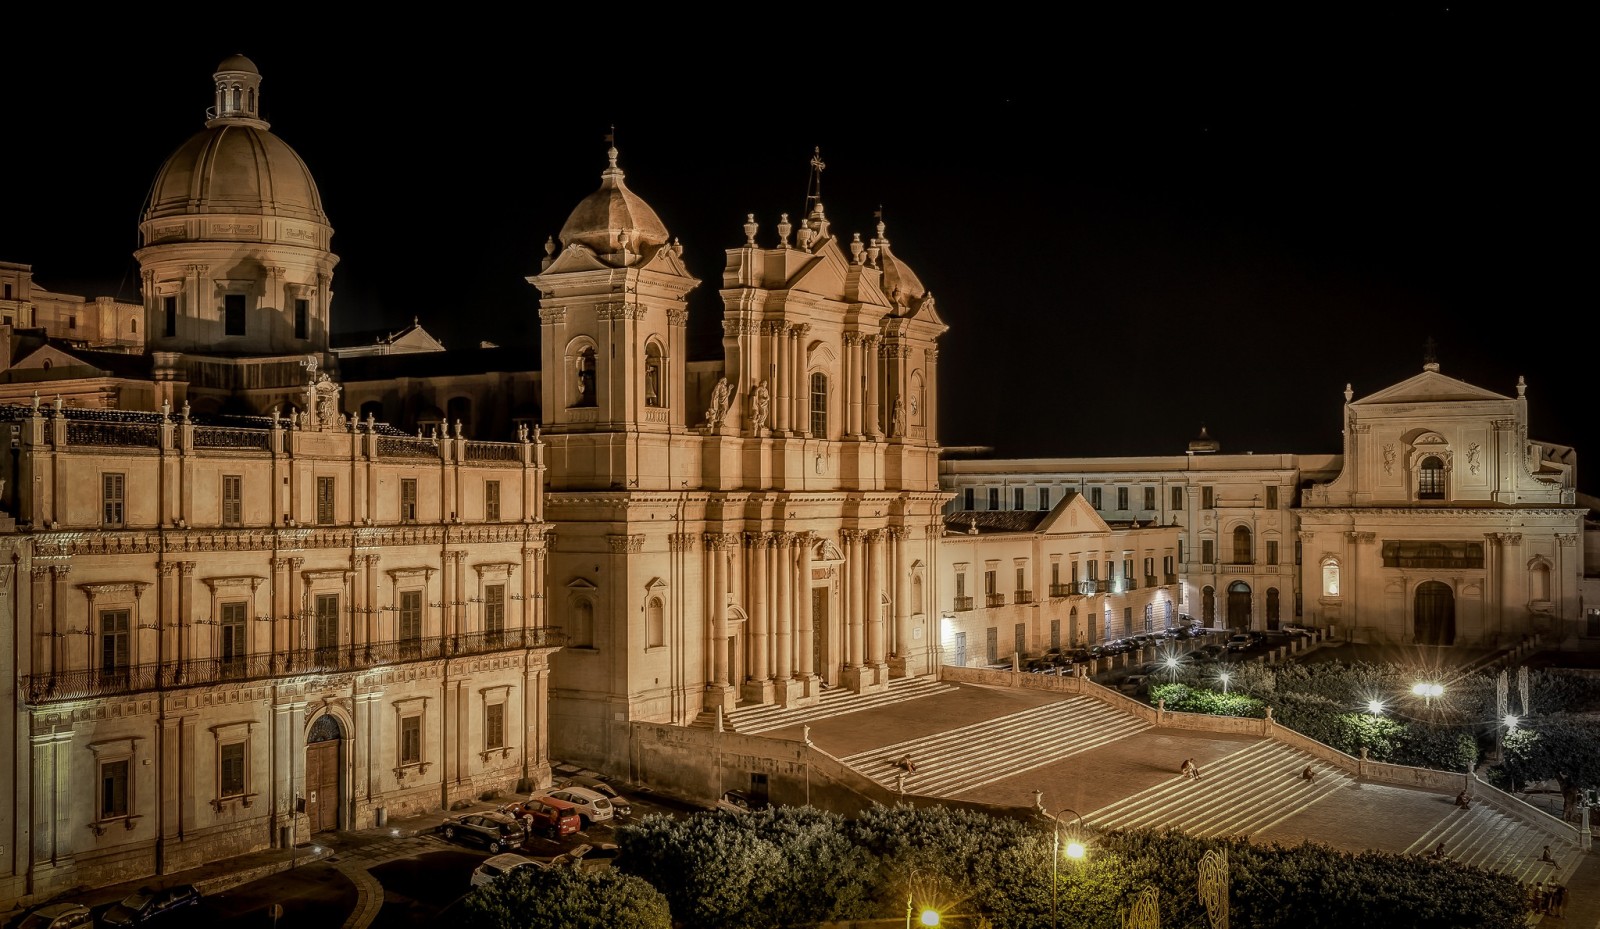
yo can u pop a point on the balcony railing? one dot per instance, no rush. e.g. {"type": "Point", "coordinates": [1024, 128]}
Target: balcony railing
{"type": "Point", "coordinates": [1061, 590]}
{"type": "Point", "coordinates": [1088, 588]}
{"type": "Point", "coordinates": [963, 604]}
{"type": "Point", "coordinates": [101, 682]}
{"type": "Point", "coordinates": [1150, 580]}
{"type": "Point", "coordinates": [993, 600]}
{"type": "Point", "coordinates": [1169, 579]}
{"type": "Point", "coordinates": [1024, 596]}
{"type": "Point", "coordinates": [1128, 583]}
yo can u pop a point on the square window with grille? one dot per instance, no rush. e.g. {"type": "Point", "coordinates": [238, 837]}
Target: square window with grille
{"type": "Point", "coordinates": [491, 501]}
{"type": "Point", "coordinates": [232, 499]}
{"type": "Point", "coordinates": [325, 500]}
{"type": "Point", "coordinates": [113, 500]}
{"type": "Point", "coordinates": [113, 789]}
{"type": "Point", "coordinates": [231, 770]}
{"type": "Point", "coordinates": [494, 726]}
{"type": "Point", "coordinates": [1044, 498]}
{"type": "Point", "coordinates": [408, 499]}
{"type": "Point", "coordinates": [411, 739]}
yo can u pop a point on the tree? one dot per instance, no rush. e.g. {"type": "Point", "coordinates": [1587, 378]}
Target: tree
{"type": "Point", "coordinates": [1560, 747]}
{"type": "Point", "coordinates": [566, 898]}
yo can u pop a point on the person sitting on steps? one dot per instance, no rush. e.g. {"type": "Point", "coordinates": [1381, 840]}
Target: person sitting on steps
{"type": "Point", "coordinates": [906, 763]}
{"type": "Point", "coordinates": [1308, 774]}
{"type": "Point", "coordinates": [1463, 801]}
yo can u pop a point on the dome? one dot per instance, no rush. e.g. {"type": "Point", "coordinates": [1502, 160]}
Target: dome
{"type": "Point", "coordinates": [235, 166]}
{"type": "Point", "coordinates": [899, 281]}
{"type": "Point", "coordinates": [601, 219]}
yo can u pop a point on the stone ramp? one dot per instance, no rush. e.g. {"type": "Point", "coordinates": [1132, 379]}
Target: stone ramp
{"type": "Point", "coordinates": [837, 701]}
{"type": "Point", "coordinates": [958, 760]}
{"type": "Point", "coordinates": [1244, 793]}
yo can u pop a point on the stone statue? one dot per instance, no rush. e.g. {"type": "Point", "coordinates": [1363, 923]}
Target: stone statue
{"type": "Point", "coordinates": [1388, 458]}
{"type": "Point", "coordinates": [760, 399]}
{"type": "Point", "coordinates": [718, 411]}
{"type": "Point", "coordinates": [185, 411]}
{"type": "Point", "coordinates": [522, 432]}
{"type": "Point", "coordinates": [897, 419]}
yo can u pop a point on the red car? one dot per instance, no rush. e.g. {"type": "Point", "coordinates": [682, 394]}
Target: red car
{"type": "Point", "coordinates": [547, 816]}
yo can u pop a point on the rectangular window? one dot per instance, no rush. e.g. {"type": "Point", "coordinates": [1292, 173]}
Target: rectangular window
{"type": "Point", "coordinates": [491, 501]}
{"type": "Point", "coordinates": [327, 618]}
{"type": "Point", "coordinates": [988, 582]}
{"type": "Point", "coordinates": [233, 314]}
{"type": "Point", "coordinates": [230, 770]}
{"type": "Point", "coordinates": [1021, 644]}
{"type": "Point", "coordinates": [115, 643]}
{"type": "Point", "coordinates": [411, 740]}
{"type": "Point", "coordinates": [169, 314]}
{"type": "Point", "coordinates": [1016, 499]}
{"type": "Point", "coordinates": [1022, 582]}
{"type": "Point", "coordinates": [72, 322]}
{"type": "Point", "coordinates": [819, 405]}
{"type": "Point", "coordinates": [231, 625]}
{"type": "Point", "coordinates": [1207, 551]}
{"type": "Point", "coordinates": [1296, 551]}
{"type": "Point", "coordinates": [1177, 498]}
{"type": "Point", "coordinates": [1122, 498]}
{"type": "Point", "coordinates": [232, 499]}
{"type": "Point", "coordinates": [1272, 496]}
{"type": "Point", "coordinates": [992, 652]}
{"type": "Point", "coordinates": [1206, 501]}
{"type": "Point", "coordinates": [1180, 551]}
{"type": "Point", "coordinates": [1055, 633]}
{"type": "Point", "coordinates": [1272, 552]}
{"type": "Point", "coordinates": [494, 611]}
{"type": "Point", "coordinates": [410, 616]}
{"type": "Point", "coordinates": [408, 499]}
{"type": "Point", "coordinates": [112, 510]}
{"type": "Point", "coordinates": [302, 318]}
{"type": "Point", "coordinates": [113, 789]}
{"type": "Point", "coordinates": [1149, 498]}
{"type": "Point", "coordinates": [994, 498]}
{"type": "Point", "coordinates": [1044, 498]}
{"type": "Point", "coordinates": [967, 499]}
{"type": "Point", "coordinates": [325, 500]}
{"type": "Point", "coordinates": [494, 726]}
{"type": "Point", "coordinates": [1055, 574]}
{"type": "Point", "coordinates": [1094, 497]}
{"type": "Point", "coordinates": [1127, 567]}
{"type": "Point", "coordinates": [1127, 620]}
{"type": "Point", "coordinates": [961, 584]}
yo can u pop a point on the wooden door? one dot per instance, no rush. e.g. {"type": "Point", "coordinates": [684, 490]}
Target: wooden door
{"type": "Point", "coordinates": [322, 785]}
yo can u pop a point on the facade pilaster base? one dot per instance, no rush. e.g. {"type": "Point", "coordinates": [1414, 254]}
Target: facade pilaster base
{"type": "Point", "coordinates": [870, 679]}
{"type": "Point", "coordinates": [797, 692]}
{"type": "Point", "coordinates": [757, 691]}
{"type": "Point", "coordinates": [899, 667]}
{"type": "Point", "coordinates": [725, 696]}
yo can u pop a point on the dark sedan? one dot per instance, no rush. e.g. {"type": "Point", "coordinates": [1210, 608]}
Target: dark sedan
{"type": "Point", "coordinates": [494, 831]}
{"type": "Point", "coordinates": [147, 905]}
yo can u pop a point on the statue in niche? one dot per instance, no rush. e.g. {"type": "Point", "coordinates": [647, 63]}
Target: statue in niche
{"type": "Point", "coordinates": [1472, 457]}
{"type": "Point", "coordinates": [718, 411]}
{"type": "Point", "coordinates": [760, 399]}
{"type": "Point", "coordinates": [1388, 458]}
{"type": "Point", "coordinates": [897, 418]}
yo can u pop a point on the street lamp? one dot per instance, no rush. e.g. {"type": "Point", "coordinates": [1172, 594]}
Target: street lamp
{"type": "Point", "coordinates": [1224, 678]}
{"type": "Point", "coordinates": [928, 916]}
{"type": "Point", "coordinates": [1074, 850]}
{"type": "Point", "coordinates": [1374, 707]}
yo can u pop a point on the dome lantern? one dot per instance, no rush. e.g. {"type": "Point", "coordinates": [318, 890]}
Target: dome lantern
{"type": "Point", "coordinates": [238, 94]}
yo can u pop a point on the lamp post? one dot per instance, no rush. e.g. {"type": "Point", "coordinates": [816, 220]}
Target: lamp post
{"type": "Point", "coordinates": [1224, 678]}
{"type": "Point", "coordinates": [929, 917]}
{"type": "Point", "coordinates": [1074, 850]}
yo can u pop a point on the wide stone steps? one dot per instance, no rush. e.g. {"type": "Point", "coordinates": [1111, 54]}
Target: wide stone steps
{"type": "Point", "coordinates": [836, 701]}
{"type": "Point", "coordinates": [1244, 793]}
{"type": "Point", "coordinates": [951, 763]}
{"type": "Point", "coordinates": [1485, 837]}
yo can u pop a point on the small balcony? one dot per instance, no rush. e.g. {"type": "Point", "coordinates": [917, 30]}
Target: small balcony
{"type": "Point", "coordinates": [963, 604]}
{"type": "Point", "coordinates": [994, 600]}
{"type": "Point", "coordinates": [1023, 596]}
{"type": "Point", "coordinates": [1088, 588]}
{"type": "Point", "coordinates": [1061, 590]}
{"type": "Point", "coordinates": [1150, 580]}
{"type": "Point", "coordinates": [1128, 583]}
{"type": "Point", "coordinates": [1169, 579]}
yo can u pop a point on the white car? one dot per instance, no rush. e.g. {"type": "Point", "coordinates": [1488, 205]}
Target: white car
{"type": "Point", "coordinates": [593, 806]}
{"type": "Point", "coordinates": [619, 804]}
{"type": "Point", "coordinates": [497, 866]}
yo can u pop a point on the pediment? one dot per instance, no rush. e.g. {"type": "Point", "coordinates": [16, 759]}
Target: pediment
{"type": "Point", "coordinates": [50, 356]}
{"type": "Point", "coordinates": [579, 583]}
{"type": "Point", "coordinates": [1429, 387]}
{"type": "Point", "coordinates": [824, 550]}
{"type": "Point", "coordinates": [1073, 513]}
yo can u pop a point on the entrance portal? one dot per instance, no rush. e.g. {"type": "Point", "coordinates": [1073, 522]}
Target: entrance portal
{"type": "Point", "coordinates": [1238, 605]}
{"type": "Point", "coordinates": [324, 744]}
{"type": "Point", "coordinates": [1434, 620]}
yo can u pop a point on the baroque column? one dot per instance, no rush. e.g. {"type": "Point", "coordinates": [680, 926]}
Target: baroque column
{"type": "Point", "coordinates": [901, 567]}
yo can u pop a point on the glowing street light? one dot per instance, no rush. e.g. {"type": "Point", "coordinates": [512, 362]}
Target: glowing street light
{"type": "Point", "coordinates": [928, 916]}
{"type": "Point", "coordinates": [1427, 690]}
{"type": "Point", "coordinates": [1511, 722]}
{"type": "Point", "coordinates": [1375, 707]}
{"type": "Point", "coordinates": [1075, 850]}
{"type": "Point", "coordinates": [1224, 677]}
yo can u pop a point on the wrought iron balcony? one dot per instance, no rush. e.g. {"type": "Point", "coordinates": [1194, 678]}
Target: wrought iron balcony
{"type": "Point", "coordinates": [1169, 579]}
{"type": "Point", "coordinates": [993, 600]}
{"type": "Point", "coordinates": [1150, 580]}
{"type": "Point", "coordinates": [1024, 596]}
{"type": "Point", "coordinates": [963, 604]}
{"type": "Point", "coordinates": [104, 682]}
{"type": "Point", "coordinates": [1061, 590]}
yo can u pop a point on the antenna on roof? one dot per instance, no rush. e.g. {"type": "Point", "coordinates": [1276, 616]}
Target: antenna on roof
{"type": "Point", "coordinates": [814, 185]}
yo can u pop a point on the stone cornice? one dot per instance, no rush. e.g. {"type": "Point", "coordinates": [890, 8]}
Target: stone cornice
{"type": "Point", "coordinates": [1499, 512]}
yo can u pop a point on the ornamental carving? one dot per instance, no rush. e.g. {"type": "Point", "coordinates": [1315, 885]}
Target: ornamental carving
{"type": "Point", "coordinates": [678, 317]}
{"type": "Point", "coordinates": [626, 544]}
{"type": "Point", "coordinates": [1360, 537]}
{"type": "Point", "coordinates": [554, 314]}
{"type": "Point", "coordinates": [620, 311]}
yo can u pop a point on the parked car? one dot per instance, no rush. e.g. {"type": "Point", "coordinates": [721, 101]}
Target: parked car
{"type": "Point", "coordinates": [58, 916]}
{"type": "Point", "coordinates": [1240, 641]}
{"type": "Point", "coordinates": [619, 803]}
{"type": "Point", "coordinates": [596, 857]}
{"type": "Point", "coordinates": [547, 816]}
{"type": "Point", "coordinates": [147, 905]}
{"type": "Point", "coordinates": [593, 807]}
{"type": "Point", "coordinates": [1295, 629]}
{"type": "Point", "coordinates": [1212, 650]}
{"type": "Point", "coordinates": [497, 866]}
{"type": "Point", "coordinates": [495, 830]}
{"type": "Point", "coordinates": [737, 801]}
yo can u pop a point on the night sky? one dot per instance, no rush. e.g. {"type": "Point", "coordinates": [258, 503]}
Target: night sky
{"type": "Point", "coordinates": [1132, 227]}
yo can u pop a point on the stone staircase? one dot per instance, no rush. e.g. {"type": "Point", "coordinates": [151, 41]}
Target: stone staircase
{"type": "Point", "coordinates": [1244, 793]}
{"type": "Point", "coordinates": [836, 701]}
{"type": "Point", "coordinates": [1486, 837]}
{"type": "Point", "coordinates": [953, 762]}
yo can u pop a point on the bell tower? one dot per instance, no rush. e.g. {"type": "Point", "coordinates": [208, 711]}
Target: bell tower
{"type": "Point", "coordinates": [613, 337]}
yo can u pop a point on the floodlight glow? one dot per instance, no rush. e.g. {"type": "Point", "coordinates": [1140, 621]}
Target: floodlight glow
{"type": "Point", "coordinates": [1075, 851]}
{"type": "Point", "coordinates": [1224, 678]}
{"type": "Point", "coordinates": [1374, 707]}
{"type": "Point", "coordinates": [1427, 690]}
{"type": "Point", "coordinates": [1172, 662]}
{"type": "Point", "coordinates": [1511, 721]}
{"type": "Point", "coordinates": [929, 918]}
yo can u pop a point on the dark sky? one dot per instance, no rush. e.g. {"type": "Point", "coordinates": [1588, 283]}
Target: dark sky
{"type": "Point", "coordinates": [1132, 226]}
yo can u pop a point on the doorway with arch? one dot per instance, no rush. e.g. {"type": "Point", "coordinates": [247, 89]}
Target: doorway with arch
{"type": "Point", "coordinates": [1433, 614]}
{"type": "Point", "coordinates": [324, 764]}
{"type": "Point", "coordinates": [1238, 605]}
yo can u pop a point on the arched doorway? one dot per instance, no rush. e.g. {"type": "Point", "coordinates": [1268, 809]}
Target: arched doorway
{"type": "Point", "coordinates": [1434, 609]}
{"type": "Point", "coordinates": [1208, 607]}
{"type": "Point", "coordinates": [324, 744]}
{"type": "Point", "coordinates": [1238, 605]}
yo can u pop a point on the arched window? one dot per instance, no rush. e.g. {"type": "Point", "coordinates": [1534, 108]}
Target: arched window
{"type": "Point", "coordinates": [655, 623]}
{"type": "Point", "coordinates": [915, 606]}
{"type": "Point", "coordinates": [1430, 479]}
{"type": "Point", "coordinates": [652, 375]}
{"type": "Point", "coordinates": [582, 632]}
{"type": "Point", "coordinates": [459, 409]}
{"type": "Point", "coordinates": [252, 100]}
{"type": "Point", "coordinates": [1242, 549]}
{"type": "Point", "coordinates": [819, 405]}
{"type": "Point", "coordinates": [236, 98]}
{"type": "Point", "coordinates": [585, 385]}
{"type": "Point", "coordinates": [133, 324]}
